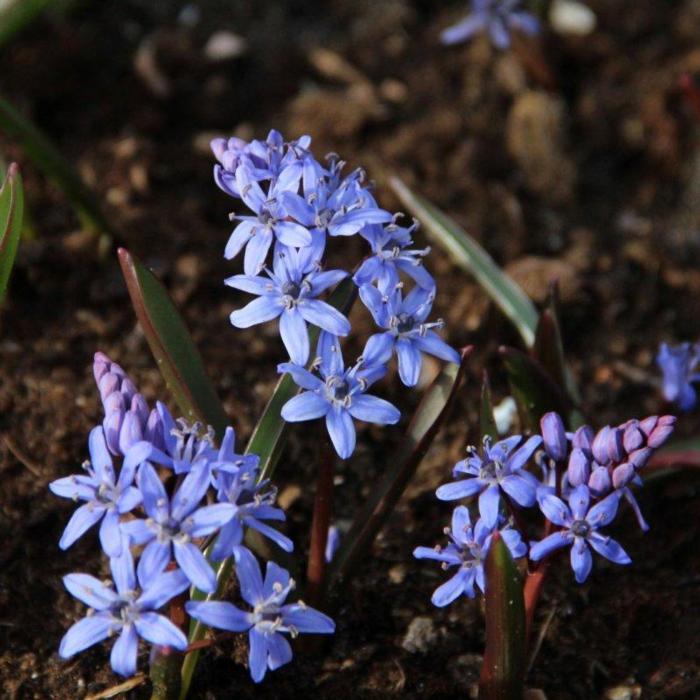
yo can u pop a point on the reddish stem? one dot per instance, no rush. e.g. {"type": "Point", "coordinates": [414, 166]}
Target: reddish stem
{"type": "Point", "coordinates": [691, 91]}
{"type": "Point", "coordinates": [323, 508]}
{"type": "Point", "coordinates": [533, 585]}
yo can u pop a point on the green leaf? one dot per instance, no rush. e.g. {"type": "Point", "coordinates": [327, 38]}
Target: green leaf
{"type": "Point", "coordinates": [11, 212]}
{"type": "Point", "coordinates": [488, 422]}
{"type": "Point", "coordinates": [177, 357]}
{"type": "Point", "coordinates": [503, 670]}
{"type": "Point", "coordinates": [47, 157]}
{"type": "Point", "coordinates": [267, 441]}
{"type": "Point", "coordinates": [17, 14]}
{"type": "Point", "coordinates": [424, 426]}
{"type": "Point", "coordinates": [469, 255]}
{"type": "Point", "coordinates": [532, 388]}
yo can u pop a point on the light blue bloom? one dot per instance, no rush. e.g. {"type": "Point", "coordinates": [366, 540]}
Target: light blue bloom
{"type": "Point", "coordinates": [128, 611]}
{"type": "Point", "coordinates": [338, 394]}
{"type": "Point", "coordinates": [269, 620]}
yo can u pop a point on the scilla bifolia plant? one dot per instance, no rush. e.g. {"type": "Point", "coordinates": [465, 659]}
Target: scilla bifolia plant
{"type": "Point", "coordinates": [173, 501]}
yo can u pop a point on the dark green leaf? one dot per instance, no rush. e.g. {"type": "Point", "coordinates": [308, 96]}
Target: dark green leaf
{"type": "Point", "coordinates": [503, 670]}
{"type": "Point", "coordinates": [11, 213]}
{"type": "Point", "coordinates": [532, 388]}
{"type": "Point", "coordinates": [488, 422]}
{"type": "Point", "coordinates": [175, 353]}
{"type": "Point", "coordinates": [469, 255]}
{"type": "Point", "coordinates": [427, 420]}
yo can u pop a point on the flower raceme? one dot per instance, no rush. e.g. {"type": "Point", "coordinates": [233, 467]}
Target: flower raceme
{"type": "Point", "coordinates": [584, 477]}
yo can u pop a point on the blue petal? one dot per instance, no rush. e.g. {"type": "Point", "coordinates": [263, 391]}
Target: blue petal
{"type": "Point", "coordinates": [445, 555]}
{"type": "Point", "coordinates": [159, 630]}
{"type": "Point", "coordinates": [341, 430]}
{"type": "Point", "coordinates": [122, 568]}
{"type": "Point", "coordinates": [253, 284]}
{"type": "Point", "coordinates": [325, 316]}
{"type": "Point", "coordinates": [459, 489]}
{"type": "Point", "coordinates": [292, 234]}
{"type": "Point", "coordinates": [280, 653]}
{"type": "Point", "coordinates": [158, 591]}
{"type": "Point", "coordinates": [433, 344]}
{"type": "Point", "coordinates": [275, 535]}
{"type": "Point", "coordinates": [555, 510]}
{"type": "Point", "coordinates": [239, 237]}
{"type": "Point", "coordinates": [489, 502]}
{"type": "Point", "coordinates": [219, 614]}
{"type": "Point", "coordinates": [306, 406]}
{"type": "Point", "coordinates": [410, 361]}
{"type": "Point", "coordinates": [301, 376]}
{"type": "Point", "coordinates": [76, 487]}
{"type": "Point", "coordinates": [249, 576]}
{"type": "Point", "coordinates": [604, 512]}
{"type": "Point", "coordinates": [463, 30]}
{"type": "Point", "coordinates": [99, 455]}
{"type": "Point", "coordinates": [85, 633]}
{"type": "Point", "coordinates": [195, 566]}
{"type": "Point", "coordinates": [256, 251]}
{"type": "Point", "coordinates": [110, 534]}
{"type": "Point", "coordinates": [581, 559]}
{"type": "Point", "coordinates": [539, 550]}
{"type": "Point", "coordinates": [155, 499]}
{"type": "Point", "coordinates": [154, 559]}
{"type": "Point", "coordinates": [123, 656]}
{"type": "Point", "coordinates": [90, 591]}
{"type": "Point", "coordinates": [137, 531]}
{"type": "Point", "coordinates": [295, 335]}
{"type": "Point", "coordinates": [522, 490]}
{"type": "Point", "coordinates": [81, 521]}
{"type": "Point", "coordinates": [130, 498]}
{"type": "Point", "coordinates": [191, 491]}
{"type": "Point", "coordinates": [609, 548]}
{"type": "Point", "coordinates": [579, 499]}
{"type": "Point", "coordinates": [206, 520]}
{"type": "Point", "coordinates": [518, 459]}
{"type": "Point", "coordinates": [257, 311]}
{"type": "Point", "coordinates": [257, 656]}
{"type": "Point", "coordinates": [450, 590]}
{"type": "Point", "coordinates": [373, 410]}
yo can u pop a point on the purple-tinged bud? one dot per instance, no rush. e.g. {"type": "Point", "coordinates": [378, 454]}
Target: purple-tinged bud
{"type": "Point", "coordinates": [616, 450]}
{"type": "Point", "coordinates": [633, 438]}
{"type": "Point", "coordinates": [100, 366]}
{"type": "Point", "coordinates": [640, 457]}
{"type": "Point", "coordinates": [554, 436]}
{"type": "Point", "coordinates": [128, 389]}
{"type": "Point", "coordinates": [114, 403]}
{"type": "Point", "coordinates": [667, 420]}
{"type": "Point", "coordinates": [579, 467]}
{"type": "Point", "coordinates": [659, 435]}
{"type": "Point", "coordinates": [622, 475]}
{"type": "Point", "coordinates": [154, 430]}
{"type": "Point", "coordinates": [583, 439]}
{"type": "Point", "coordinates": [130, 432]}
{"type": "Point", "coordinates": [108, 384]}
{"type": "Point", "coordinates": [140, 407]}
{"type": "Point", "coordinates": [218, 147]}
{"type": "Point", "coordinates": [600, 446]}
{"type": "Point", "coordinates": [600, 483]}
{"type": "Point", "coordinates": [112, 425]}
{"type": "Point", "coordinates": [648, 424]}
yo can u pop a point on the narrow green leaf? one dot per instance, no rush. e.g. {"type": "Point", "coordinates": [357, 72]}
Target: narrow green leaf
{"type": "Point", "coordinates": [469, 255]}
{"type": "Point", "coordinates": [503, 670]}
{"type": "Point", "coordinates": [424, 426]}
{"type": "Point", "coordinates": [532, 388]}
{"type": "Point", "coordinates": [11, 213]}
{"type": "Point", "coordinates": [47, 157]}
{"type": "Point", "coordinates": [488, 422]}
{"type": "Point", "coordinates": [177, 357]}
{"type": "Point", "coordinates": [267, 441]}
{"type": "Point", "coordinates": [17, 14]}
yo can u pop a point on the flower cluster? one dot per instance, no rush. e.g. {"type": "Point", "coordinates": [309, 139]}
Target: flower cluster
{"type": "Point", "coordinates": [679, 365]}
{"type": "Point", "coordinates": [581, 479]}
{"type": "Point", "coordinates": [296, 204]}
{"type": "Point", "coordinates": [497, 17]}
{"type": "Point", "coordinates": [174, 488]}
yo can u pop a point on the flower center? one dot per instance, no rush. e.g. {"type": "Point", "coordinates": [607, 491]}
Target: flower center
{"type": "Point", "coordinates": [404, 323]}
{"type": "Point", "coordinates": [580, 528]}
{"type": "Point", "coordinates": [291, 289]}
{"type": "Point", "coordinates": [323, 218]}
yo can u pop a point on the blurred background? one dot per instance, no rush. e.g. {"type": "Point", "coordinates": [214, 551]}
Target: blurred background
{"type": "Point", "coordinates": [571, 156]}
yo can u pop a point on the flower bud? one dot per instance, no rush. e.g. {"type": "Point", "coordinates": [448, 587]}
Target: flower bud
{"type": "Point", "coordinates": [579, 468]}
{"type": "Point", "coordinates": [140, 408]}
{"type": "Point", "coordinates": [554, 436]}
{"type": "Point", "coordinates": [640, 457]}
{"type": "Point", "coordinates": [599, 482]}
{"type": "Point", "coordinates": [112, 425]}
{"type": "Point", "coordinates": [583, 438]}
{"type": "Point", "coordinates": [616, 450]}
{"type": "Point", "coordinates": [108, 384]}
{"type": "Point", "coordinates": [648, 424]}
{"type": "Point", "coordinates": [633, 438]}
{"type": "Point", "coordinates": [622, 475]}
{"type": "Point", "coordinates": [659, 435]}
{"type": "Point", "coordinates": [130, 432]}
{"type": "Point", "coordinates": [600, 444]}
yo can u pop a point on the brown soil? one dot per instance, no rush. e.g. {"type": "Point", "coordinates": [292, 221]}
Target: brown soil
{"type": "Point", "coordinates": [574, 157]}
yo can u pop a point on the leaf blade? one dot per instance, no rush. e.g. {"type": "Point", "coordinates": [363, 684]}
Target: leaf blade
{"type": "Point", "coordinates": [472, 257]}
{"type": "Point", "coordinates": [175, 353]}
{"type": "Point", "coordinates": [503, 669]}
{"type": "Point", "coordinates": [11, 215]}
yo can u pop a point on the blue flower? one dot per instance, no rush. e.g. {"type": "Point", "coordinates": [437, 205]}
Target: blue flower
{"type": "Point", "coordinates": [499, 468]}
{"type": "Point", "coordinates": [498, 17]}
{"type": "Point", "coordinates": [257, 233]}
{"type": "Point", "coordinates": [269, 619]}
{"type": "Point", "coordinates": [252, 501]}
{"type": "Point", "coordinates": [407, 331]}
{"type": "Point", "coordinates": [392, 254]}
{"type": "Point", "coordinates": [467, 550]}
{"type": "Point", "coordinates": [106, 496]}
{"type": "Point", "coordinates": [338, 394]}
{"type": "Point", "coordinates": [129, 612]}
{"type": "Point", "coordinates": [679, 364]}
{"type": "Point", "coordinates": [290, 295]}
{"type": "Point", "coordinates": [580, 525]}
{"type": "Point", "coordinates": [173, 524]}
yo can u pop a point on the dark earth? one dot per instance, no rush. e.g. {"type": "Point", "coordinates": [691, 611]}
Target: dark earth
{"type": "Point", "coordinates": [573, 158]}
